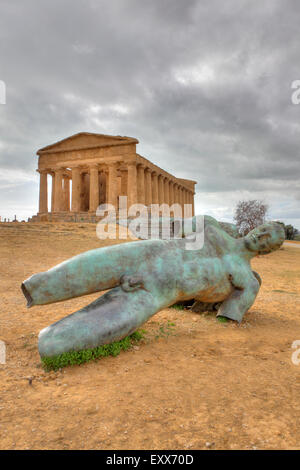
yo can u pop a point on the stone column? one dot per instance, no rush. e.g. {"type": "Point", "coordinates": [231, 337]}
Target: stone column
{"type": "Point", "coordinates": [154, 188]}
{"type": "Point", "coordinates": [85, 191]}
{"type": "Point", "coordinates": [112, 185]}
{"type": "Point", "coordinates": [76, 189]}
{"type": "Point", "coordinates": [171, 193]}
{"type": "Point", "coordinates": [175, 193]}
{"type": "Point", "coordinates": [59, 198]}
{"type": "Point", "coordinates": [148, 187]}
{"type": "Point", "coordinates": [132, 184]}
{"type": "Point", "coordinates": [43, 200]}
{"type": "Point", "coordinates": [53, 192]}
{"type": "Point", "coordinates": [141, 184]}
{"type": "Point", "coordinates": [166, 191]}
{"type": "Point", "coordinates": [193, 204]}
{"type": "Point", "coordinates": [66, 193]}
{"type": "Point", "coordinates": [181, 197]}
{"type": "Point", "coordinates": [160, 189]}
{"type": "Point", "coordinates": [124, 179]}
{"type": "Point", "coordinates": [102, 187]}
{"type": "Point", "coordinates": [94, 188]}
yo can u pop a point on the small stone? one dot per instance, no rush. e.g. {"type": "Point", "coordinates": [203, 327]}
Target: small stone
{"type": "Point", "coordinates": [30, 379]}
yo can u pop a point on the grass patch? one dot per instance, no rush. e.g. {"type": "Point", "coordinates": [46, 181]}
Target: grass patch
{"type": "Point", "coordinates": [166, 329]}
{"type": "Point", "coordinates": [178, 306]}
{"type": "Point", "coordinates": [222, 319]}
{"type": "Point", "coordinates": [86, 355]}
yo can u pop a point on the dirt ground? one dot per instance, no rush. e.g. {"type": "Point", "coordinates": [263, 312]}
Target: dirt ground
{"type": "Point", "coordinates": [193, 383]}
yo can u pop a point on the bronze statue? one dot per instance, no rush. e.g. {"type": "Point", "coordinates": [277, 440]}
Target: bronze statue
{"type": "Point", "coordinates": [146, 276]}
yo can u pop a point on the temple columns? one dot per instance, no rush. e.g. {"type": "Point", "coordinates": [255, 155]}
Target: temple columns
{"type": "Point", "coordinates": [171, 193]}
{"type": "Point", "coordinates": [154, 188]}
{"type": "Point", "coordinates": [175, 193]}
{"type": "Point", "coordinates": [182, 197]}
{"type": "Point", "coordinates": [97, 184]}
{"type": "Point", "coordinates": [53, 192]}
{"type": "Point", "coordinates": [76, 189]}
{"type": "Point", "coordinates": [102, 187]}
{"type": "Point", "coordinates": [112, 196]}
{"type": "Point", "coordinates": [166, 191]}
{"type": "Point", "coordinates": [141, 184]}
{"type": "Point", "coordinates": [43, 199]}
{"type": "Point", "coordinates": [132, 184]}
{"type": "Point", "coordinates": [124, 182]}
{"type": "Point", "coordinates": [66, 193]}
{"type": "Point", "coordinates": [59, 198]}
{"type": "Point", "coordinates": [161, 189]}
{"type": "Point", "coordinates": [94, 188]}
{"type": "Point", "coordinates": [148, 187]}
{"type": "Point", "coordinates": [193, 204]}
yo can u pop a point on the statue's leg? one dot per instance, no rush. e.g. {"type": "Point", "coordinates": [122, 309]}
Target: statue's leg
{"type": "Point", "coordinates": [93, 271]}
{"type": "Point", "coordinates": [113, 316]}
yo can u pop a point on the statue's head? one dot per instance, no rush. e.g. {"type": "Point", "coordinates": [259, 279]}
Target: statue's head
{"type": "Point", "coordinates": [265, 238]}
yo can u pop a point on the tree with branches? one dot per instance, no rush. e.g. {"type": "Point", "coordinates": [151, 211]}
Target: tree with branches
{"type": "Point", "coordinates": [250, 214]}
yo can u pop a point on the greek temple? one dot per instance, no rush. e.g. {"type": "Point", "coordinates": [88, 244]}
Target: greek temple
{"type": "Point", "coordinates": [88, 169]}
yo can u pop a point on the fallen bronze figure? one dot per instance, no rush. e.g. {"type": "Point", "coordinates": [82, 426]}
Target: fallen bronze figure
{"type": "Point", "coordinates": [144, 277]}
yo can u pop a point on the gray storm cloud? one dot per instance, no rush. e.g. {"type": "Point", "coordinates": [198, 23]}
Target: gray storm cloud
{"type": "Point", "coordinates": [204, 86]}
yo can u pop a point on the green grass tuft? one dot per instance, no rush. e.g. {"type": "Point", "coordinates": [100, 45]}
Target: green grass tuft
{"type": "Point", "coordinates": [222, 319]}
{"type": "Point", "coordinates": [178, 306]}
{"type": "Point", "coordinates": [87, 355]}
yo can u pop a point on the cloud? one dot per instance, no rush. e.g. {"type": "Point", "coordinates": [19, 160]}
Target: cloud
{"type": "Point", "coordinates": [204, 86]}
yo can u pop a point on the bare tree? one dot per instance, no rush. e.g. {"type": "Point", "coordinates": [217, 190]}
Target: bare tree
{"type": "Point", "coordinates": [249, 214]}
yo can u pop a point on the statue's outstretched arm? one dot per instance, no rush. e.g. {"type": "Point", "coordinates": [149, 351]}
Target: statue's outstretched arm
{"type": "Point", "coordinates": [241, 299]}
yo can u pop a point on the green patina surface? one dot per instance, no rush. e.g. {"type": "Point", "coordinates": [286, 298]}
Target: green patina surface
{"type": "Point", "coordinates": [146, 276]}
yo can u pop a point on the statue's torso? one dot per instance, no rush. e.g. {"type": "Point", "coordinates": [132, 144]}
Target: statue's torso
{"type": "Point", "coordinates": [205, 274]}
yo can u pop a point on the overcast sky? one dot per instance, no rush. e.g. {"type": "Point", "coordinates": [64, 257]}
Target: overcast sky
{"type": "Point", "coordinates": [204, 85]}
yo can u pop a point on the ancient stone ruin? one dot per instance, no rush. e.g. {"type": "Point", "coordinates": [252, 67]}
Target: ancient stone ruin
{"type": "Point", "coordinates": [91, 169]}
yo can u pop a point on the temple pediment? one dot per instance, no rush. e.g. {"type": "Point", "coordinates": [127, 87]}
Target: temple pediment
{"type": "Point", "coordinates": [86, 140]}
